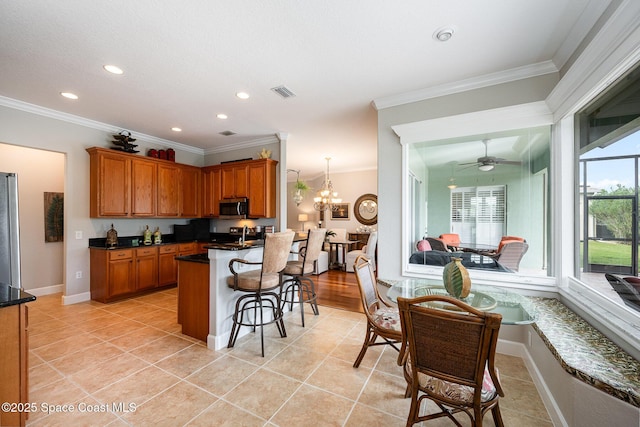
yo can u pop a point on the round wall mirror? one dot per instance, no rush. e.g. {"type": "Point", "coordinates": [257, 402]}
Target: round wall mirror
{"type": "Point", "coordinates": [366, 209]}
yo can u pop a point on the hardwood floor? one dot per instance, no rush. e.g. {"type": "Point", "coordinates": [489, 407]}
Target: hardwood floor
{"type": "Point", "coordinates": [338, 289]}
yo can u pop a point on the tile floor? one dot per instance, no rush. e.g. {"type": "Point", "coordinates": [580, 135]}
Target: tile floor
{"type": "Point", "coordinates": [127, 364]}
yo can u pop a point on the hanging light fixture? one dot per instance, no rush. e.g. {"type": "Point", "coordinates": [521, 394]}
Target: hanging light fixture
{"type": "Point", "coordinates": [299, 188]}
{"type": "Point", "coordinates": [452, 180]}
{"type": "Point", "coordinates": [327, 197]}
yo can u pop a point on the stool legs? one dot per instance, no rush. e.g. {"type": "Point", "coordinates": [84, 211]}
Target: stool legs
{"type": "Point", "coordinates": [304, 289]}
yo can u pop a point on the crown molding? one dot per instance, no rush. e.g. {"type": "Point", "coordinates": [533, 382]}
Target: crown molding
{"type": "Point", "coordinates": [92, 124]}
{"type": "Point", "coordinates": [272, 139]}
{"type": "Point", "coordinates": [486, 80]}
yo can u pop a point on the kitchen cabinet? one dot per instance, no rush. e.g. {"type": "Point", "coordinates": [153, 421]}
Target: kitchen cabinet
{"type": "Point", "coordinates": [253, 179]}
{"type": "Point", "coordinates": [168, 190]}
{"type": "Point", "coordinates": [234, 180]}
{"type": "Point", "coordinates": [211, 191]}
{"type": "Point", "coordinates": [14, 358]}
{"type": "Point", "coordinates": [124, 185]}
{"type": "Point", "coordinates": [110, 182]}
{"type": "Point", "coordinates": [146, 268]}
{"type": "Point", "coordinates": [193, 298]}
{"type": "Point", "coordinates": [167, 265]}
{"type": "Point", "coordinates": [120, 273]}
{"type": "Point", "coordinates": [190, 192]}
{"type": "Point", "coordinates": [143, 188]}
{"type": "Point", "coordinates": [262, 188]}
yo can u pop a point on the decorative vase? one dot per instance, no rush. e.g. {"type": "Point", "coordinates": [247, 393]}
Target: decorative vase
{"type": "Point", "coordinates": [147, 236]}
{"type": "Point", "coordinates": [456, 279]}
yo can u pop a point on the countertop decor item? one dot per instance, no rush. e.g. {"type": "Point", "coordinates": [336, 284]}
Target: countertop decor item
{"type": "Point", "coordinates": [264, 154]}
{"type": "Point", "coordinates": [456, 278]}
{"type": "Point", "coordinates": [112, 238]}
{"type": "Point", "coordinates": [157, 236]}
{"type": "Point", "coordinates": [147, 236]}
{"type": "Point", "coordinates": [124, 141]}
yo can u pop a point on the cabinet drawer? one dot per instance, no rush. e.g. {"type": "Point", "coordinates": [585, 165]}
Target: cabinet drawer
{"type": "Point", "coordinates": [184, 247]}
{"type": "Point", "coordinates": [169, 249]}
{"type": "Point", "coordinates": [146, 251]}
{"type": "Point", "coordinates": [121, 254]}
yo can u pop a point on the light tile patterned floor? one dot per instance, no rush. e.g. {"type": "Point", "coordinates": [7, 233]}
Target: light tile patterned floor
{"type": "Point", "coordinates": [107, 360]}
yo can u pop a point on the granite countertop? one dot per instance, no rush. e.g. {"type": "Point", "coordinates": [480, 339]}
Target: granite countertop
{"type": "Point", "coordinates": [13, 296]}
{"type": "Point", "coordinates": [200, 258]}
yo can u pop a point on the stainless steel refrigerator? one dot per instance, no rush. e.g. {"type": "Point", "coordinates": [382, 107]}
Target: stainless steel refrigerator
{"type": "Point", "coordinates": [9, 231]}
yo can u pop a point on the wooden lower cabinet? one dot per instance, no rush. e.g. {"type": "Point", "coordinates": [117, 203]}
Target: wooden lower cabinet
{"type": "Point", "coordinates": [193, 298]}
{"type": "Point", "coordinates": [167, 265]}
{"type": "Point", "coordinates": [14, 357]}
{"type": "Point", "coordinates": [121, 273]}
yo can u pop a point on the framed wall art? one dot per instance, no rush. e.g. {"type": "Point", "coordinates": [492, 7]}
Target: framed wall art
{"type": "Point", "coordinates": [342, 213]}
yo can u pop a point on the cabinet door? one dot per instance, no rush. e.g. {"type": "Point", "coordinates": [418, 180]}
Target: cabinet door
{"type": "Point", "coordinates": [146, 268]}
{"type": "Point", "coordinates": [190, 192]}
{"type": "Point", "coordinates": [121, 277]}
{"type": "Point", "coordinates": [167, 265]}
{"type": "Point", "coordinates": [211, 192]}
{"type": "Point", "coordinates": [169, 177]}
{"type": "Point", "coordinates": [143, 188]}
{"type": "Point", "coordinates": [234, 181]}
{"type": "Point", "coordinates": [110, 181]}
{"type": "Point", "coordinates": [262, 189]}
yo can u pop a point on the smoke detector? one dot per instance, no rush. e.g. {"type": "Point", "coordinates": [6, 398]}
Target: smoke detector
{"type": "Point", "coordinates": [443, 34]}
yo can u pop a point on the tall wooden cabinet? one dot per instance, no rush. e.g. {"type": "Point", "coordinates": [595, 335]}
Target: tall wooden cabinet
{"type": "Point", "coordinates": [211, 191]}
{"type": "Point", "coordinates": [14, 367]}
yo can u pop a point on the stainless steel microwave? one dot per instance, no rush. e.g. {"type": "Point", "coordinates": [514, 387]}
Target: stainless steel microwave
{"type": "Point", "coordinates": [234, 208]}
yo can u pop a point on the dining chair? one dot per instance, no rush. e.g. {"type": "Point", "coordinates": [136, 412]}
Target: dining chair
{"type": "Point", "coordinates": [368, 250]}
{"type": "Point", "coordinates": [511, 253]}
{"type": "Point", "coordinates": [450, 357]}
{"type": "Point", "coordinates": [259, 287]}
{"type": "Point", "coordinates": [437, 244]}
{"type": "Point", "coordinates": [382, 318]}
{"type": "Point", "coordinates": [451, 239]}
{"type": "Point", "coordinates": [300, 287]}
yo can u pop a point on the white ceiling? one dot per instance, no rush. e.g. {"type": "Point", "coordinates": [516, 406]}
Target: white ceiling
{"type": "Point", "coordinates": [184, 61]}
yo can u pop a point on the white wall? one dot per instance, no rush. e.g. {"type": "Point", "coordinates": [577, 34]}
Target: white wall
{"type": "Point", "coordinates": [390, 151]}
{"type": "Point", "coordinates": [38, 172]}
{"type": "Point", "coordinates": [349, 186]}
{"type": "Point", "coordinates": [26, 129]}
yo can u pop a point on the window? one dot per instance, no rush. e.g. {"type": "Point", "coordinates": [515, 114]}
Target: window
{"type": "Point", "coordinates": [478, 214]}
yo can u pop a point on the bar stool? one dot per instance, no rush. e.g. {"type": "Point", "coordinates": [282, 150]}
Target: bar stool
{"type": "Point", "coordinates": [260, 287]}
{"type": "Point", "coordinates": [300, 287]}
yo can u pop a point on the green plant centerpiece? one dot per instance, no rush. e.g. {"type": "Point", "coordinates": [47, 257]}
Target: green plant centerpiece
{"type": "Point", "coordinates": [329, 234]}
{"type": "Point", "coordinates": [456, 279]}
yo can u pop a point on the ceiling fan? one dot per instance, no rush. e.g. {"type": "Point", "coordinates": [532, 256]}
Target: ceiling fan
{"type": "Point", "coordinates": [487, 163]}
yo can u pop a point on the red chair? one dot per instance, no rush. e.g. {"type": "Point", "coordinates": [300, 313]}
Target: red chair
{"type": "Point", "coordinates": [451, 239]}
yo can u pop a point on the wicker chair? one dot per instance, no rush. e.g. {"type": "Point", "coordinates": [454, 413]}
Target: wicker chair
{"type": "Point", "coordinates": [450, 354]}
{"type": "Point", "coordinates": [382, 319]}
{"type": "Point", "coordinates": [300, 287]}
{"type": "Point", "coordinates": [259, 287]}
{"type": "Point", "coordinates": [511, 253]}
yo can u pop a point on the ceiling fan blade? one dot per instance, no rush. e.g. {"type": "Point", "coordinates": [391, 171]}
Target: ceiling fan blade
{"type": "Point", "coordinates": [507, 162]}
{"type": "Point", "coordinates": [469, 163]}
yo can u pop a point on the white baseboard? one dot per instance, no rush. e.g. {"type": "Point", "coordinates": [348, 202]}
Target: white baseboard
{"type": "Point", "coordinates": [46, 290]}
{"type": "Point", "coordinates": [74, 299]}
{"type": "Point", "coordinates": [512, 348]}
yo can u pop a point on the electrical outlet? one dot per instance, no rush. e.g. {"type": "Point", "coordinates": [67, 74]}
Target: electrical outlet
{"type": "Point", "coordinates": [78, 235]}
{"type": "Point", "coordinates": [78, 274]}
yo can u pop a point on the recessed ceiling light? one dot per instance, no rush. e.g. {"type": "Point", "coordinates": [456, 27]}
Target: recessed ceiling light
{"type": "Point", "coordinates": [242, 95]}
{"type": "Point", "coordinates": [222, 116]}
{"type": "Point", "coordinates": [176, 129]}
{"type": "Point", "coordinates": [443, 34]}
{"type": "Point", "coordinates": [113, 69]}
{"type": "Point", "coordinates": [69, 95]}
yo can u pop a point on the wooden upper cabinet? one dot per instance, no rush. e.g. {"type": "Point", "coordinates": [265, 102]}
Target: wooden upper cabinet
{"type": "Point", "coordinates": [191, 192]}
{"type": "Point", "coordinates": [211, 191]}
{"type": "Point", "coordinates": [110, 179]}
{"type": "Point", "coordinates": [143, 188]}
{"type": "Point", "coordinates": [262, 188]}
{"type": "Point", "coordinates": [169, 178]}
{"type": "Point", "coordinates": [234, 181]}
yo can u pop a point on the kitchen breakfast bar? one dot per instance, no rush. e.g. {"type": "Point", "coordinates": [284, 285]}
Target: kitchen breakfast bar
{"type": "Point", "coordinates": [209, 317]}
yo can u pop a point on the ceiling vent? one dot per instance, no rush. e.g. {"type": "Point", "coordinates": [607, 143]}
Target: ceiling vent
{"type": "Point", "coordinates": [227, 133]}
{"type": "Point", "coordinates": [283, 91]}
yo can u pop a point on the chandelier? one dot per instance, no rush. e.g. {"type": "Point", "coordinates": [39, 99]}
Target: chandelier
{"type": "Point", "coordinates": [326, 198]}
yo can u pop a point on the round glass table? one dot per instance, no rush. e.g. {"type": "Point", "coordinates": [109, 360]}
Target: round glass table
{"type": "Point", "coordinates": [516, 309]}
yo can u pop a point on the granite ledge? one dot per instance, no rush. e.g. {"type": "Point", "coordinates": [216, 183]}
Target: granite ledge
{"type": "Point", "coordinates": [585, 353]}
